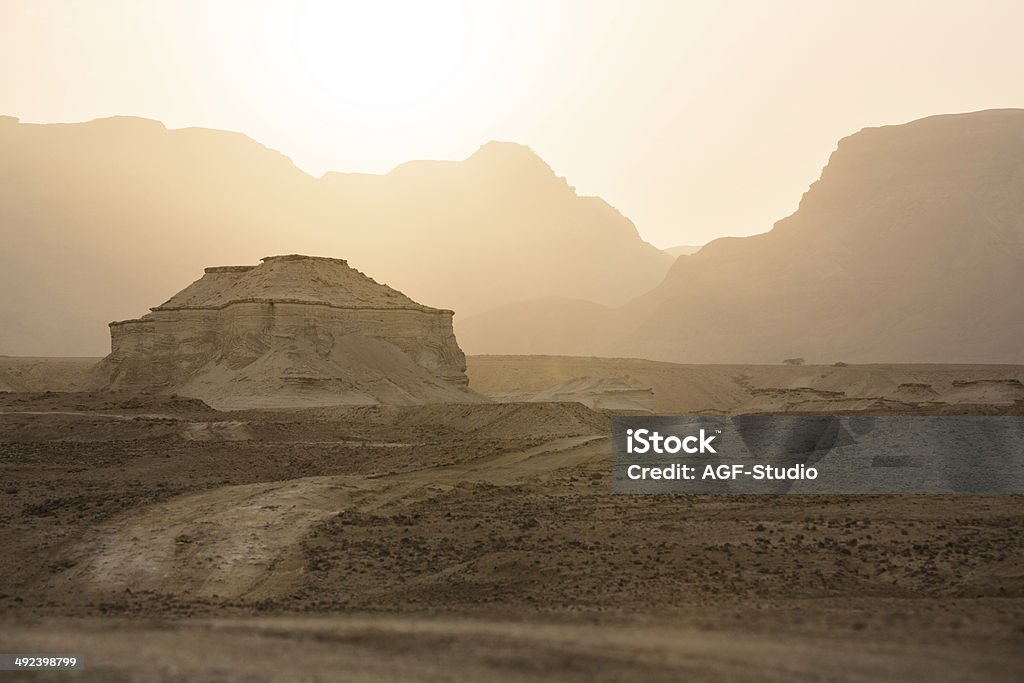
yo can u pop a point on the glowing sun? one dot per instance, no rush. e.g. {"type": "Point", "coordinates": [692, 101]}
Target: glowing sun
{"type": "Point", "coordinates": [379, 53]}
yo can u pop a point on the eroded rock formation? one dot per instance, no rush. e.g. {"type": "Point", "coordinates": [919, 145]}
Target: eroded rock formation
{"type": "Point", "coordinates": [294, 330]}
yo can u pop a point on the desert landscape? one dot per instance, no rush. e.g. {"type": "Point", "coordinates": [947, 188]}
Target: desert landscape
{"type": "Point", "coordinates": [482, 541]}
{"type": "Point", "coordinates": [324, 327]}
{"type": "Point", "coordinates": [291, 461]}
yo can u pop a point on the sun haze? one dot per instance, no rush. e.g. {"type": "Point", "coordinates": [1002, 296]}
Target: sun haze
{"type": "Point", "coordinates": [694, 119]}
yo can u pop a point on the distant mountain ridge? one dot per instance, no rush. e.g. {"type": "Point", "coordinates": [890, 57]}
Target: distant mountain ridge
{"type": "Point", "coordinates": [909, 248]}
{"type": "Point", "coordinates": [682, 250]}
{"type": "Point", "coordinates": [102, 218]}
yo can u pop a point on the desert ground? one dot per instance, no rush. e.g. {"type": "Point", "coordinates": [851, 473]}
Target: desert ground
{"type": "Point", "coordinates": [163, 540]}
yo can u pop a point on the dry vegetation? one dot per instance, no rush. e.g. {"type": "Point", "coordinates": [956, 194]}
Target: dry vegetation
{"type": "Point", "coordinates": [473, 541]}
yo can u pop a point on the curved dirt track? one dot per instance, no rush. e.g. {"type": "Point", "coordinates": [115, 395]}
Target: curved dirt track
{"type": "Point", "coordinates": [244, 541]}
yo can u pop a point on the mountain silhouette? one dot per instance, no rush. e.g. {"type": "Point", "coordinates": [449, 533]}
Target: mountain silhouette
{"type": "Point", "coordinates": [682, 249]}
{"type": "Point", "coordinates": [102, 218]}
{"type": "Point", "coordinates": [909, 248]}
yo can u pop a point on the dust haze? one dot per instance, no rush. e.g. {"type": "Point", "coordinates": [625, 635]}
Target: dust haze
{"type": "Point", "coordinates": [262, 424]}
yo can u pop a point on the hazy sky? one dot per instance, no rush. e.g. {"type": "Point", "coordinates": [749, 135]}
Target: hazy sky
{"type": "Point", "coordinates": [695, 119]}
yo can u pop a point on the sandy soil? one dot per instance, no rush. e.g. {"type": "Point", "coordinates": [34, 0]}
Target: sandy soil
{"type": "Point", "coordinates": [624, 384]}
{"type": "Point", "coordinates": [742, 389]}
{"type": "Point", "coordinates": [166, 541]}
{"type": "Point", "coordinates": [449, 648]}
{"type": "Point", "coordinates": [24, 373]}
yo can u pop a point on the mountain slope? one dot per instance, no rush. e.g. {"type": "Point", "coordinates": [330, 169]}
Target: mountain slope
{"type": "Point", "coordinates": [99, 219]}
{"type": "Point", "coordinates": [496, 228]}
{"type": "Point", "coordinates": [910, 248]}
{"type": "Point", "coordinates": [682, 250]}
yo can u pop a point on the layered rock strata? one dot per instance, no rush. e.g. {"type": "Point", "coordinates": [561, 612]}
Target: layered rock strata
{"type": "Point", "coordinates": [294, 330]}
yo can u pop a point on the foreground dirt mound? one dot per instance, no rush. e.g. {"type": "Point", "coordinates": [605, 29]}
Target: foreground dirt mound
{"type": "Point", "coordinates": [293, 331]}
{"type": "Point", "coordinates": [498, 420]}
{"type": "Point", "coordinates": [100, 416]}
{"type": "Point", "coordinates": [601, 393]}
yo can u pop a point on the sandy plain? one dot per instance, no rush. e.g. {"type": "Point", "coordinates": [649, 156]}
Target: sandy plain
{"type": "Point", "coordinates": [163, 540]}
